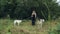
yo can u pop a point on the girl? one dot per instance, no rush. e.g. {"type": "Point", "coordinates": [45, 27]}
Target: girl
{"type": "Point", "coordinates": [33, 16]}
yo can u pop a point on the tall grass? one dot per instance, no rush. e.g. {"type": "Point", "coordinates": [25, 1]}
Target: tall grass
{"type": "Point", "coordinates": [7, 27]}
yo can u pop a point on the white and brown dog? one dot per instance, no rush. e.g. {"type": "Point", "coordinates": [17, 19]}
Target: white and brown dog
{"type": "Point", "coordinates": [39, 23]}
{"type": "Point", "coordinates": [17, 22]}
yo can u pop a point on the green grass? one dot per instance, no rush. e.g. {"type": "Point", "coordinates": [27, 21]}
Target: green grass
{"type": "Point", "coordinates": [7, 27]}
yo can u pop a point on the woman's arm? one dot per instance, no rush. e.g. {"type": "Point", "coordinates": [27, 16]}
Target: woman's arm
{"type": "Point", "coordinates": [32, 15]}
{"type": "Point", "coordinates": [35, 15]}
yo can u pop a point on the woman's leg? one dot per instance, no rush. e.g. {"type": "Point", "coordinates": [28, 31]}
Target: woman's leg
{"type": "Point", "coordinates": [33, 22]}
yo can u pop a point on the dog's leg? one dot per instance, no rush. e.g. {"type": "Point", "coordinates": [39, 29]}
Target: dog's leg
{"type": "Point", "coordinates": [14, 23]}
{"type": "Point", "coordinates": [41, 26]}
{"type": "Point", "coordinates": [18, 23]}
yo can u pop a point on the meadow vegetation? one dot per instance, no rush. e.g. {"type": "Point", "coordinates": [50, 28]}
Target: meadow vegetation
{"type": "Point", "coordinates": [7, 27]}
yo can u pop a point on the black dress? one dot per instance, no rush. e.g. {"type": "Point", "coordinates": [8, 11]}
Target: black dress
{"type": "Point", "coordinates": [33, 20]}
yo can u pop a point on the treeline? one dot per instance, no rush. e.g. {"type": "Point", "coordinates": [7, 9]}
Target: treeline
{"type": "Point", "coordinates": [17, 9]}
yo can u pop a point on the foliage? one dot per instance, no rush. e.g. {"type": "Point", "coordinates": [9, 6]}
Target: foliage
{"type": "Point", "coordinates": [18, 9]}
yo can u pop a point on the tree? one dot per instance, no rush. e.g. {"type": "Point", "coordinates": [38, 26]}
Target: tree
{"type": "Point", "coordinates": [23, 8]}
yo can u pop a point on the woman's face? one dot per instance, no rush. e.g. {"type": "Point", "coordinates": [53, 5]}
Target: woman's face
{"type": "Point", "coordinates": [33, 11]}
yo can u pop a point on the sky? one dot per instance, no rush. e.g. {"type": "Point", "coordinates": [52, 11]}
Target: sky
{"type": "Point", "coordinates": [58, 1]}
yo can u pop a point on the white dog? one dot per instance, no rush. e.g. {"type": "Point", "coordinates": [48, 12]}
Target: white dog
{"type": "Point", "coordinates": [40, 22]}
{"type": "Point", "coordinates": [17, 22]}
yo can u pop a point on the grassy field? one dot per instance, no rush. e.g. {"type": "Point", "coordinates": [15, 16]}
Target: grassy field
{"type": "Point", "coordinates": [7, 27]}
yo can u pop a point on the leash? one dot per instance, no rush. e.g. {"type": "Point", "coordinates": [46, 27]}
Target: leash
{"type": "Point", "coordinates": [27, 17]}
